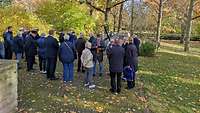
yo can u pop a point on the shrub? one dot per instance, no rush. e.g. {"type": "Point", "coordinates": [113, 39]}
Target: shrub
{"type": "Point", "coordinates": [178, 36]}
{"type": "Point", "coordinates": [148, 48]}
{"type": "Point", "coordinates": [171, 37]}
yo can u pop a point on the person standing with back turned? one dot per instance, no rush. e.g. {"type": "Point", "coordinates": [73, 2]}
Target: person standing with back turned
{"type": "Point", "coordinates": [51, 55]}
{"type": "Point", "coordinates": [116, 60]}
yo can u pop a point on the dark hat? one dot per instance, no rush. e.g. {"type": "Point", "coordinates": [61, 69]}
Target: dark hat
{"type": "Point", "coordinates": [33, 31]}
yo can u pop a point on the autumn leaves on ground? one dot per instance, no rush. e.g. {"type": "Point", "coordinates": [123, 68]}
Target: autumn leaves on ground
{"type": "Point", "coordinates": [166, 83]}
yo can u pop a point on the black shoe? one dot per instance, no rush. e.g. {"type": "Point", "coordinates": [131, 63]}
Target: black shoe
{"type": "Point", "coordinates": [111, 90]}
{"type": "Point", "coordinates": [118, 91]}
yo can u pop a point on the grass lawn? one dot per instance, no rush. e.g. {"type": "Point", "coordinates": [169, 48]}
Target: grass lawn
{"type": "Point", "coordinates": [166, 83]}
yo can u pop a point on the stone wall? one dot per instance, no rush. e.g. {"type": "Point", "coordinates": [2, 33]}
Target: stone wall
{"type": "Point", "coordinates": [8, 86]}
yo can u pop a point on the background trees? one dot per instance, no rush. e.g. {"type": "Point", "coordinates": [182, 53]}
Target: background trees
{"type": "Point", "coordinates": [149, 18]}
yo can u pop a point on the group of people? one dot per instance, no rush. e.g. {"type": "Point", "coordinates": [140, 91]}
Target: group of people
{"type": "Point", "coordinates": [122, 53]}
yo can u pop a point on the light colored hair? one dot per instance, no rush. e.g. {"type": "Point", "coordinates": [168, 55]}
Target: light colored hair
{"type": "Point", "coordinates": [88, 45]}
{"type": "Point", "coordinates": [66, 37]}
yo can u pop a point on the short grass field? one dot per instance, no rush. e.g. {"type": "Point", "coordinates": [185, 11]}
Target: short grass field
{"type": "Point", "coordinates": [166, 83]}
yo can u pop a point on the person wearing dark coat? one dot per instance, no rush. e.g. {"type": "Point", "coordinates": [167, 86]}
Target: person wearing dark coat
{"type": "Point", "coordinates": [116, 60]}
{"type": "Point", "coordinates": [131, 60]}
{"type": "Point", "coordinates": [25, 35]}
{"type": "Point", "coordinates": [2, 51]}
{"type": "Point", "coordinates": [61, 37]}
{"type": "Point", "coordinates": [136, 41]}
{"type": "Point", "coordinates": [51, 55]}
{"type": "Point", "coordinates": [80, 46]}
{"type": "Point", "coordinates": [129, 76]}
{"type": "Point", "coordinates": [42, 53]}
{"type": "Point", "coordinates": [67, 57]}
{"type": "Point", "coordinates": [18, 47]}
{"type": "Point", "coordinates": [93, 41]}
{"type": "Point", "coordinates": [73, 38]}
{"type": "Point", "coordinates": [36, 38]}
{"type": "Point", "coordinates": [30, 47]}
{"type": "Point", "coordinates": [8, 43]}
{"type": "Point", "coordinates": [101, 46]}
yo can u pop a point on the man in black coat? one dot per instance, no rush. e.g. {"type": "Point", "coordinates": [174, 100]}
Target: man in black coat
{"type": "Point", "coordinates": [30, 47]}
{"type": "Point", "coordinates": [116, 60]}
{"type": "Point", "coordinates": [136, 42]}
{"type": "Point", "coordinates": [8, 43]}
{"type": "Point", "coordinates": [131, 59]}
{"type": "Point", "coordinates": [80, 46]}
{"type": "Point", "coordinates": [51, 55]}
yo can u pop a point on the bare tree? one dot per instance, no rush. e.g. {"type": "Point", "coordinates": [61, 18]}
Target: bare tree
{"type": "Point", "coordinates": [120, 17]}
{"type": "Point", "coordinates": [132, 17]}
{"type": "Point", "coordinates": [189, 26]}
{"type": "Point", "coordinates": [105, 11]}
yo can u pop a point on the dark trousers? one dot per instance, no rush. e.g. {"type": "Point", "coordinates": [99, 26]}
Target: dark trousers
{"type": "Point", "coordinates": [29, 62]}
{"type": "Point", "coordinates": [131, 84]}
{"type": "Point", "coordinates": [42, 63]}
{"type": "Point", "coordinates": [51, 67]}
{"type": "Point", "coordinates": [79, 63]}
{"type": "Point", "coordinates": [115, 87]}
{"type": "Point", "coordinates": [8, 53]}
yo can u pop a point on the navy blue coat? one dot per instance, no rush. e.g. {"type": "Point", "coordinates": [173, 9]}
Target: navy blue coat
{"type": "Point", "coordinates": [66, 52]}
{"type": "Point", "coordinates": [30, 46]}
{"type": "Point", "coordinates": [51, 47]}
{"type": "Point", "coordinates": [18, 44]}
{"type": "Point", "coordinates": [129, 74]}
{"type": "Point", "coordinates": [8, 40]}
{"type": "Point", "coordinates": [73, 39]}
{"type": "Point", "coordinates": [116, 58]}
{"type": "Point", "coordinates": [131, 56]}
{"type": "Point", "coordinates": [41, 47]}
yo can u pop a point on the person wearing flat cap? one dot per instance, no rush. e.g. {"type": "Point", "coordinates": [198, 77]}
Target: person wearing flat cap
{"type": "Point", "coordinates": [30, 50]}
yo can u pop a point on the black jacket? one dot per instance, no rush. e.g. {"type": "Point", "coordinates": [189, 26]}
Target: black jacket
{"type": "Point", "coordinates": [30, 46]}
{"type": "Point", "coordinates": [51, 47]}
{"type": "Point", "coordinates": [131, 56]}
{"type": "Point", "coordinates": [80, 45]}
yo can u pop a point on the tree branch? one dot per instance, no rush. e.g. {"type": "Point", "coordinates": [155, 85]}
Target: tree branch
{"type": "Point", "coordinates": [118, 4]}
{"type": "Point", "coordinates": [97, 8]}
{"type": "Point", "coordinates": [196, 17]}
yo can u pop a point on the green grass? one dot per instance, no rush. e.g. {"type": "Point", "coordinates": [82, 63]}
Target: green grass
{"type": "Point", "coordinates": [166, 83]}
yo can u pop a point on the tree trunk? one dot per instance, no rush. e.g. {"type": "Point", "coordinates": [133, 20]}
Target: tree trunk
{"type": "Point", "coordinates": [182, 33]}
{"type": "Point", "coordinates": [120, 18]}
{"type": "Point", "coordinates": [132, 18]}
{"type": "Point", "coordinates": [159, 22]}
{"type": "Point", "coordinates": [189, 26]}
{"type": "Point", "coordinates": [106, 23]}
{"type": "Point", "coordinates": [114, 22]}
